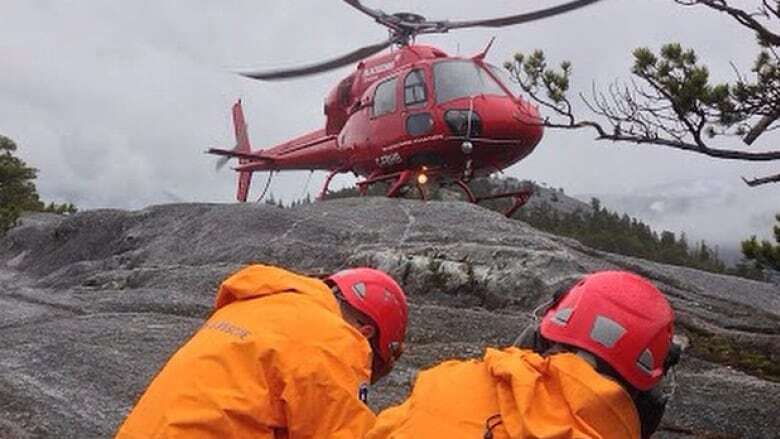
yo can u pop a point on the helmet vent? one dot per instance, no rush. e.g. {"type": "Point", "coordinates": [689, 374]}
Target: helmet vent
{"type": "Point", "coordinates": [606, 331]}
{"type": "Point", "coordinates": [360, 289]}
{"type": "Point", "coordinates": [562, 316]}
{"type": "Point", "coordinates": [645, 362]}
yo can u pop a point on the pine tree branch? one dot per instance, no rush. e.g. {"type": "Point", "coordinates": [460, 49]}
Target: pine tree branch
{"type": "Point", "coordinates": [762, 180]}
{"type": "Point", "coordinates": [770, 9]}
{"type": "Point", "coordinates": [742, 17]}
{"type": "Point", "coordinates": [603, 134]}
{"type": "Point", "coordinates": [677, 107]}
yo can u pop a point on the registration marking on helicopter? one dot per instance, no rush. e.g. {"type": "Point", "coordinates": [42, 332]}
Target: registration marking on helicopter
{"type": "Point", "coordinates": [388, 160]}
{"type": "Point", "coordinates": [413, 142]}
{"type": "Point", "coordinates": [374, 71]}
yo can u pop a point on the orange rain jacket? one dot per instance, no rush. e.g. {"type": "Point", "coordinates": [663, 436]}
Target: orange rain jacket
{"type": "Point", "coordinates": [522, 393]}
{"type": "Point", "coordinates": [275, 360]}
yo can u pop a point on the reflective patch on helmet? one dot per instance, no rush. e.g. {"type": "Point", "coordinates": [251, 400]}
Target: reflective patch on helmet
{"type": "Point", "coordinates": [606, 331]}
{"type": "Point", "coordinates": [360, 289]}
{"type": "Point", "coordinates": [562, 316]}
{"type": "Point", "coordinates": [645, 362]}
{"type": "Point", "coordinates": [363, 393]}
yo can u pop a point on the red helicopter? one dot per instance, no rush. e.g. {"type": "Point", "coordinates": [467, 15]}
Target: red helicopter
{"type": "Point", "coordinates": [407, 116]}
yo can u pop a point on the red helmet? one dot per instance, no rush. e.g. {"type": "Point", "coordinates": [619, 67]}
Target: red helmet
{"type": "Point", "coordinates": [378, 296]}
{"type": "Point", "coordinates": [621, 318]}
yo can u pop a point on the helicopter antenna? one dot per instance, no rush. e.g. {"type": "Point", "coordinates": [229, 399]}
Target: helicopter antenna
{"type": "Point", "coordinates": [468, 122]}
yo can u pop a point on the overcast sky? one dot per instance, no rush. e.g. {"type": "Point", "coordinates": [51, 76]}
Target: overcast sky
{"type": "Point", "coordinates": [115, 101]}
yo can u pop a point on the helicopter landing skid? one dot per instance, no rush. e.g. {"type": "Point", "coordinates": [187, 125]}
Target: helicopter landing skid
{"type": "Point", "coordinates": [519, 198]}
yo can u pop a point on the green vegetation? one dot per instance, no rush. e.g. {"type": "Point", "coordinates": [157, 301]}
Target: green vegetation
{"type": "Point", "coordinates": [604, 230]}
{"type": "Point", "coordinates": [17, 189]}
{"type": "Point", "coordinates": [763, 254]}
{"type": "Point", "coordinates": [375, 190]}
{"type": "Point", "coordinates": [737, 354]}
{"type": "Point", "coordinates": [439, 278]}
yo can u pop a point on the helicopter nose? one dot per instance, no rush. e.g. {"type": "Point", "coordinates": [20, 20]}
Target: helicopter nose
{"type": "Point", "coordinates": [497, 119]}
{"type": "Point", "coordinates": [529, 123]}
{"type": "Point", "coordinates": [509, 119]}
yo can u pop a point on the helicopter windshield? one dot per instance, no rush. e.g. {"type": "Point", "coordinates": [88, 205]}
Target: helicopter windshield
{"type": "Point", "coordinates": [462, 78]}
{"type": "Point", "coordinates": [505, 78]}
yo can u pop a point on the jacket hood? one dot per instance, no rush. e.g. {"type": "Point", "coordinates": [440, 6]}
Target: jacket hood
{"type": "Point", "coordinates": [262, 280]}
{"type": "Point", "coordinates": [559, 395]}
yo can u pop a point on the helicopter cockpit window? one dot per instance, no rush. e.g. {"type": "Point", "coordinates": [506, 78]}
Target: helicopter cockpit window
{"type": "Point", "coordinates": [384, 98]}
{"type": "Point", "coordinates": [414, 89]}
{"type": "Point", "coordinates": [462, 78]}
{"type": "Point", "coordinates": [505, 78]}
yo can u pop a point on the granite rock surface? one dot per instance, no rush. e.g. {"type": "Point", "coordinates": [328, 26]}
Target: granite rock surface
{"type": "Point", "coordinates": [92, 304]}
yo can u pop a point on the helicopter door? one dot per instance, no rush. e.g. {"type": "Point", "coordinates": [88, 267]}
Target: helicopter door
{"type": "Point", "coordinates": [418, 121]}
{"type": "Point", "coordinates": [386, 124]}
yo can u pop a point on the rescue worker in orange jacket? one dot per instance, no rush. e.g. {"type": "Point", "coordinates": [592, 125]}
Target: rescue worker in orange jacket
{"type": "Point", "coordinates": [282, 356]}
{"type": "Point", "coordinates": [590, 369]}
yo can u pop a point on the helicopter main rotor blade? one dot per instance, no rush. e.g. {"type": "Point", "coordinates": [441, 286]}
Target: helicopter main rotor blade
{"type": "Point", "coordinates": [350, 58]}
{"type": "Point", "coordinates": [373, 13]}
{"type": "Point", "coordinates": [388, 20]}
{"type": "Point", "coordinates": [520, 18]}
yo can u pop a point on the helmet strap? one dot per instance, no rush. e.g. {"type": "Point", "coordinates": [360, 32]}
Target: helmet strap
{"type": "Point", "coordinates": [588, 357]}
{"type": "Point", "coordinates": [542, 309]}
{"type": "Point", "coordinates": [531, 337]}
